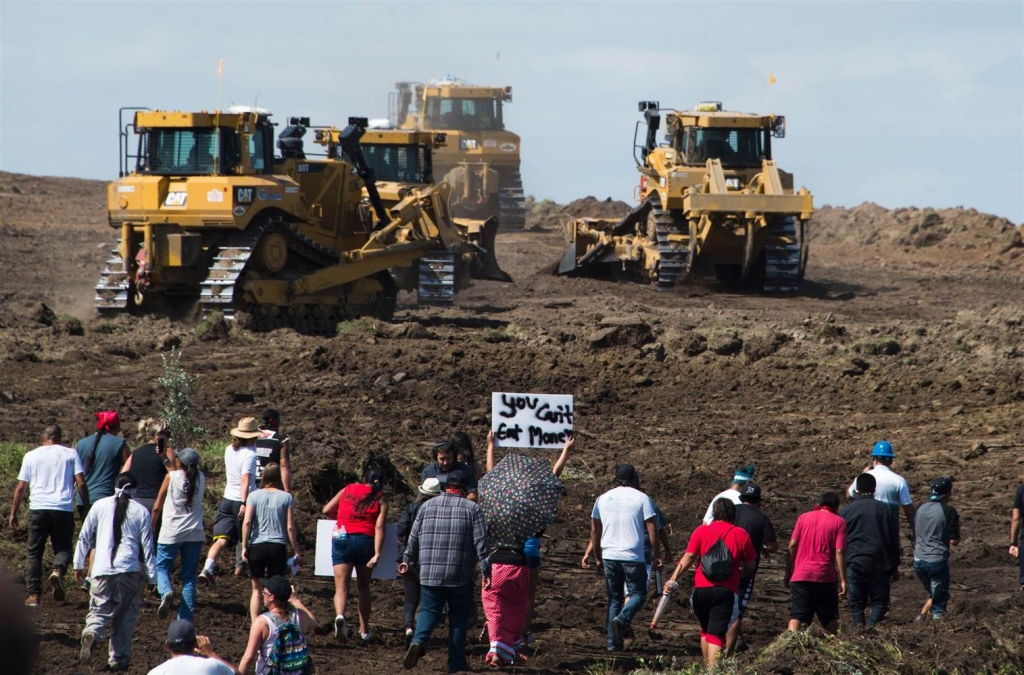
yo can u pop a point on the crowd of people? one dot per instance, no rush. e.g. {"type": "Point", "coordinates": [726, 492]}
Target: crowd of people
{"type": "Point", "coordinates": [142, 517]}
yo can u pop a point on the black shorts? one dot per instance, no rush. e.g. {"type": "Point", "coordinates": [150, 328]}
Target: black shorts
{"type": "Point", "coordinates": [807, 598]}
{"type": "Point", "coordinates": [226, 524]}
{"type": "Point", "coordinates": [268, 560]}
{"type": "Point", "coordinates": [746, 591]}
{"type": "Point", "coordinates": [716, 609]}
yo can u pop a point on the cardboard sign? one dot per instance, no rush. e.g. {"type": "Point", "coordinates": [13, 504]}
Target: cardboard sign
{"type": "Point", "coordinates": [387, 564]}
{"type": "Point", "coordinates": [531, 420]}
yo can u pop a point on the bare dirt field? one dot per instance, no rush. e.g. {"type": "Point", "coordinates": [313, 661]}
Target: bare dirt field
{"type": "Point", "coordinates": [910, 327]}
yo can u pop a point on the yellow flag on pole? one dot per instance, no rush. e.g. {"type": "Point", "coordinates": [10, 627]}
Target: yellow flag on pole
{"type": "Point", "coordinates": [220, 67]}
{"type": "Point", "coordinates": [771, 79]}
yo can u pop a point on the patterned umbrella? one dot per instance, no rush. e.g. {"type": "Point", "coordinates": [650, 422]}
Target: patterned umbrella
{"type": "Point", "coordinates": [518, 498]}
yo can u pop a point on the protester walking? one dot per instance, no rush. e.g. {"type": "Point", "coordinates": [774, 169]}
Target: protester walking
{"type": "Point", "coordinates": [445, 462]}
{"type": "Point", "coordinates": [617, 524]}
{"type": "Point", "coordinates": [49, 475]}
{"type": "Point", "coordinates": [890, 487]}
{"type": "Point", "coordinates": [725, 554]}
{"type": "Point", "coordinates": [816, 571]}
{"type": "Point", "coordinates": [410, 583]}
{"type": "Point", "coordinates": [937, 527]}
{"type": "Point", "coordinates": [150, 461]}
{"type": "Point", "coordinates": [277, 639]}
{"type": "Point", "coordinates": [102, 455]}
{"type": "Point", "coordinates": [447, 542]}
{"type": "Point", "coordinates": [1016, 534]}
{"type": "Point", "coordinates": [268, 528]}
{"type": "Point", "coordinates": [179, 510]}
{"type": "Point", "coordinates": [361, 516]}
{"type": "Point", "coordinates": [762, 536]}
{"type": "Point", "coordinates": [872, 552]}
{"type": "Point", "coordinates": [191, 654]}
{"type": "Point", "coordinates": [239, 479]}
{"type": "Point", "coordinates": [273, 447]}
{"type": "Point", "coordinates": [532, 547]}
{"type": "Point", "coordinates": [743, 475]}
{"type": "Point", "coordinates": [118, 531]}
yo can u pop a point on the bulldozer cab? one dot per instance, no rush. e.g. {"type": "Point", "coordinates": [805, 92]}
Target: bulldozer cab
{"type": "Point", "coordinates": [238, 141]}
{"type": "Point", "coordinates": [396, 156]}
{"type": "Point", "coordinates": [449, 104]}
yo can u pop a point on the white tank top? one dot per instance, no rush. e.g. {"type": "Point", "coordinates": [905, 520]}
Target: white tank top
{"type": "Point", "coordinates": [268, 644]}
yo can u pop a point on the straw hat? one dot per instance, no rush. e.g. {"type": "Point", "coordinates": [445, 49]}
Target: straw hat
{"type": "Point", "coordinates": [248, 427]}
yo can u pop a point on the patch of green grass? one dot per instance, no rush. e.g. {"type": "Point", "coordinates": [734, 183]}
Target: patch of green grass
{"type": "Point", "coordinates": [10, 461]}
{"type": "Point", "coordinates": [360, 326]}
{"type": "Point", "coordinates": [509, 333]}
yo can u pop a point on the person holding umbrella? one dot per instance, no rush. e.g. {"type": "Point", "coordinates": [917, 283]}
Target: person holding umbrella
{"type": "Point", "coordinates": [518, 497]}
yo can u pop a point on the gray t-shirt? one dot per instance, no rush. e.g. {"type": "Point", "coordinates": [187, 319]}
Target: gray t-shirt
{"type": "Point", "coordinates": [935, 524]}
{"type": "Point", "coordinates": [270, 516]}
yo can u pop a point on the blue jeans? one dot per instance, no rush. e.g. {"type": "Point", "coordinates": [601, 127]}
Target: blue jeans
{"type": "Point", "coordinates": [634, 576]}
{"type": "Point", "coordinates": [935, 579]}
{"type": "Point", "coordinates": [165, 556]}
{"type": "Point", "coordinates": [868, 589]}
{"type": "Point", "coordinates": [460, 605]}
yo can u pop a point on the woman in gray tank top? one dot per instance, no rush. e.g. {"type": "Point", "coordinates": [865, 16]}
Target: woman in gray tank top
{"type": "Point", "coordinates": [266, 531]}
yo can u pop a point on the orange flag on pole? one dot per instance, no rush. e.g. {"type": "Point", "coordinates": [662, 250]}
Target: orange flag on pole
{"type": "Point", "coordinates": [771, 79]}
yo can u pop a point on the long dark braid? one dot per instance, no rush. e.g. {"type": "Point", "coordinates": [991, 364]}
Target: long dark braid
{"type": "Point", "coordinates": [122, 498]}
{"type": "Point", "coordinates": [374, 477]}
{"type": "Point", "coordinates": [91, 457]}
{"type": "Point", "coordinates": [191, 480]}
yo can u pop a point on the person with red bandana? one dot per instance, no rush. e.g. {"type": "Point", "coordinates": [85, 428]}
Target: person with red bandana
{"type": "Point", "coordinates": [102, 454]}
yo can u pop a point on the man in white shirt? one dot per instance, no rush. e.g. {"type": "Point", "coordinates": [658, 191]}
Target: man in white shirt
{"type": "Point", "coordinates": [49, 475]}
{"type": "Point", "coordinates": [191, 654]}
{"type": "Point", "coordinates": [617, 537]}
{"type": "Point", "coordinates": [890, 487]}
{"type": "Point", "coordinates": [743, 475]}
{"type": "Point", "coordinates": [119, 532]}
{"type": "Point", "coordinates": [239, 478]}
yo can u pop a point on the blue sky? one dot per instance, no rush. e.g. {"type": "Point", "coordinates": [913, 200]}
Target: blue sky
{"type": "Point", "coordinates": [903, 104]}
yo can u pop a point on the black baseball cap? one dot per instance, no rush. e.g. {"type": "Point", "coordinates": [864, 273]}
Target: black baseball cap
{"type": "Point", "coordinates": [626, 473]}
{"type": "Point", "coordinates": [181, 632]}
{"type": "Point", "coordinates": [457, 477]}
{"type": "Point", "coordinates": [940, 488]}
{"type": "Point", "coordinates": [751, 493]}
{"type": "Point", "coordinates": [278, 587]}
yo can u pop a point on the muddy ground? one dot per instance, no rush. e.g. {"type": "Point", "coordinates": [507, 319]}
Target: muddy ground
{"type": "Point", "coordinates": [910, 327]}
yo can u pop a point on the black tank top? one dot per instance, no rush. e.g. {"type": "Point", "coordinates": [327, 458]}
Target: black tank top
{"type": "Point", "coordinates": [149, 470]}
{"type": "Point", "coordinates": [268, 451]}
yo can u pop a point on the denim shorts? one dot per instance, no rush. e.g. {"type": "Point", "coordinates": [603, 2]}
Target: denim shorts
{"type": "Point", "coordinates": [355, 549]}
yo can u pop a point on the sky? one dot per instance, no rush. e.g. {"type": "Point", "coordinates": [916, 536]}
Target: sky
{"type": "Point", "coordinates": [901, 104]}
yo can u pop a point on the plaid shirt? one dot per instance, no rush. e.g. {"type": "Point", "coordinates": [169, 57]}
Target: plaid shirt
{"type": "Point", "coordinates": [447, 539]}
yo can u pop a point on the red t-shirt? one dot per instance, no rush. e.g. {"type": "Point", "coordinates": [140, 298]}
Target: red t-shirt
{"type": "Point", "coordinates": [350, 517]}
{"type": "Point", "coordinates": [818, 534]}
{"type": "Point", "coordinates": [736, 540]}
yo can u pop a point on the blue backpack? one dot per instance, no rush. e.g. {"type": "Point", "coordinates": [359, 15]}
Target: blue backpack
{"type": "Point", "coordinates": [290, 654]}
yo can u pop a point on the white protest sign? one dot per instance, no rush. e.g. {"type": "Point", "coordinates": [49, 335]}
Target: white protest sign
{"type": "Point", "coordinates": [387, 564]}
{"type": "Point", "coordinates": [531, 420]}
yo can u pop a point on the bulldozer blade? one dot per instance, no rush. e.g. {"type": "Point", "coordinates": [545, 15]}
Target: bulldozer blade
{"type": "Point", "coordinates": [568, 263]}
{"type": "Point", "coordinates": [487, 263]}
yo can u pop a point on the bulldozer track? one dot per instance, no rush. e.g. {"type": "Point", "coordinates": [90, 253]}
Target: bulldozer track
{"type": "Point", "coordinates": [436, 278]}
{"type": "Point", "coordinates": [673, 255]}
{"type": "Point", "coordinates": [111, 296]}
{"type": "Point", "coordinates": [783, 268]}
{"type": "Point", "coordinates": [511, 198]}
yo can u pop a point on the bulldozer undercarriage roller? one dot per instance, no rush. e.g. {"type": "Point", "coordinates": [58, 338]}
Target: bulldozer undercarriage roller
{"type": "Point", "coordinates": [511, 199]}
{"type": "Point", "coordinates": [785, 256]}
{"type": "Point", "coordinates": [675, 247]}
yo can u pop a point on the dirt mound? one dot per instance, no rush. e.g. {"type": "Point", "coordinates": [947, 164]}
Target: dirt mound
{"type": "Point", "coordinates": [912, 228]}
{"type": "Point", "coordinates": [45, 201]}
{"type": "Point", "coordinates": [550, 215]}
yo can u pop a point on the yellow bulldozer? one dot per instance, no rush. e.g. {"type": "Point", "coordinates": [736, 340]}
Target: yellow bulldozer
{"type": "Point", "coordinates": [481, 158]}
{"type": "Point", "coordinates": [207, 212]}
{"type": "Point", "coordinates": [402, 161]}
{"type": "Point", "coordinates": [712, 201]}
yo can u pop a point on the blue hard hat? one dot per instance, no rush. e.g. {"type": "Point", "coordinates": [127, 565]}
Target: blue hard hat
{"type": "Point", "coordinates": [882, 449]}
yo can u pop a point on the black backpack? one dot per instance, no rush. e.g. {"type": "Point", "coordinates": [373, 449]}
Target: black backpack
{"type": "Point", "coordinates": [716, 564]}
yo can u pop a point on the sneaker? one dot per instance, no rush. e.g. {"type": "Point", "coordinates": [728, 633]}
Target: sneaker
{"type": "Point", "coordinates": [88, 640]}
{"type": "Point", "coordinates": [85, 585]}
{"type": "Point", "coordinates": [408, 637]}
{"type": "Point", "coordinates": [57, 583]}
{"type": "Point", "coordinates": [32, 601]}
{"type": "Point", "coordinates": [206, 577]}
{"type": "Point", "coordinates": [165, 605]}
{"type": "Point", "coordinates": [117, 667]}
{"type": "Point", "coordinates": [366, 637]}
{"type": "Point", "coordinates": [412, 655]}
{"type": "Point", "coordinates": [617, 627]}
{"type": "Point", "coordinates": [340, 630]}
{"type": "Point", "coordinates": [936, 617]}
